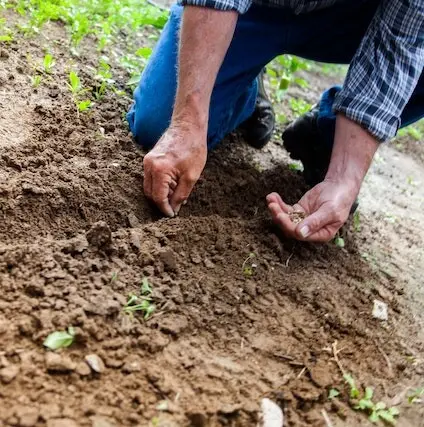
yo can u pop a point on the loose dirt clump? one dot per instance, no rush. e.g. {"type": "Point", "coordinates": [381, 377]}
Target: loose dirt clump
{"type": "Point", "coordinates": [78, 238]}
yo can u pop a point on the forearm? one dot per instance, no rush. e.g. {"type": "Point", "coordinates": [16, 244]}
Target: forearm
{"type": "Point", "coordinates": [353, 151]}
{"type": "Point", "coordinates": [204, 40]}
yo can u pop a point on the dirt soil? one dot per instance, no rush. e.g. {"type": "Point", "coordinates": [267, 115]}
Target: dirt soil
{"type": "Point", "coordinates": [77, 237]}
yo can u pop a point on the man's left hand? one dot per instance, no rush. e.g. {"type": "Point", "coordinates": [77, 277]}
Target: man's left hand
{"type": "Point", "coordinates": [326, 207]}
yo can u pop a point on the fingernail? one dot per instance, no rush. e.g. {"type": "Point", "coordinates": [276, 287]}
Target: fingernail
{"type": "Point", "coordinates": [304, 231]}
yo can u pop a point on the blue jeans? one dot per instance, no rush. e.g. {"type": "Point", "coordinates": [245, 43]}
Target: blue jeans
{"type": "Point", "coordinates": [329, 35]}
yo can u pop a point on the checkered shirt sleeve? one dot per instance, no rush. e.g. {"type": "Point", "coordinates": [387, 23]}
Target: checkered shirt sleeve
{"type": "Point", "coordinates": [385, 69]}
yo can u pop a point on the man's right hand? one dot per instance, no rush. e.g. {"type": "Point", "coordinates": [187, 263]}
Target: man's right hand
{"type": "Point", "coordinates": [173, 166]}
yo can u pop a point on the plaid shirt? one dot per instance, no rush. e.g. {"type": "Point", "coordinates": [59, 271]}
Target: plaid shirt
{"type": "Point", "coordinates": [385, 68]}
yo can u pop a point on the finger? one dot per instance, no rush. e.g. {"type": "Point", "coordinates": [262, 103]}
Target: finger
{"type": "Point", "coordinates": [276, 198]}
{"type": "Point", "coordinates": [317, 226]}
{"type": "Point", "coordinates": [160, 193]}
{"type": "Point", "coordinates": [286, 224]}
{"type": "Point", "coordinates": [181, 193]}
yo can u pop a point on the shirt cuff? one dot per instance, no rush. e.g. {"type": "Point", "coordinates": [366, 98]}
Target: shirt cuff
{"type": "Point", "coordinates": [240, 6]}
{"type": "Point", "coordinates": [369, 114]}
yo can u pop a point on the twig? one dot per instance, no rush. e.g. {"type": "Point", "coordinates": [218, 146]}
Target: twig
{"type": "Point", "coordinates": [326, 418]}
{"type": "Point", "coordinates": [386, 358]}
{"type": "Point", "coordinates": [336, 357]}
{"type": "Point", "coordinates": [301, 372]}
{"type": "Point", "coordinates": [288, 259]}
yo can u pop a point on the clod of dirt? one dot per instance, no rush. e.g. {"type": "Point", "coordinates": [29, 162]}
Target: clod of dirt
{"type": "Point", "coordinates": [271, 415]}
{"type": "Point", "coordinates": [8, 374]}
{"type": "Point", "coordinates": [58, 363]}
{"type": "Point", "coordinates": [297, 216]}
{"type": "Point", "coordinates": [132, 364]}
{"type": "Point", "coordinates": [62, 422]}
{"type": "Point", "coordinates": [173, 325]}
{"type": "Point", "coordinates": [82, 369]}
{"type": "Point", "coordinates": [95, 363]}
{"type": "Point", "coordinates": [28, 417]}
{"type": "Point", "coordinates": [99, 234]}
{"type": "Point", "coordinates": [133, 220]}
{"type": "Point", "coordinates": [101, 422]}
{"type": "Point", "coordinates": [169, 259]}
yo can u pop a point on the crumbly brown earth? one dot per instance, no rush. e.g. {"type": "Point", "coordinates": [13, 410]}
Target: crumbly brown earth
{"type": "Point", "coordinates": [77, 236]}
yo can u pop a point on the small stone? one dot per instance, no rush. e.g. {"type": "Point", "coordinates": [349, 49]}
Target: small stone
{"type": "Point", "coordinates": [132, 364]}
{"type": "Point", "coordinates": [133, 220]}
{"type": "Point", "coordinates": [82, 369]}
{"type": "Point", "coordinates": [28, 417]}
{"type": "Point", "coordinates": [208, 263]}
{"type": "Point", "coordinates": [380, 310]}
{"type": "Point", "coordinates": [61, 422]}
{"type": "Point", "coordinates": [271, 414]}
{"type": "Point", "coordinates": [9, 373]}
{"type": "Point", "coordinates": [99, 234]}
{"type": "Point", "coordinates": [95, 363]}
{"type": "Point", "coordinates": [57, 363]}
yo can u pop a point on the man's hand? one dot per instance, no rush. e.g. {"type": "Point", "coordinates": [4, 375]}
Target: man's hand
{"type": "Point", "coordinates": [327, 205]}
{"type": "Point", "coordinates": [173, 167]}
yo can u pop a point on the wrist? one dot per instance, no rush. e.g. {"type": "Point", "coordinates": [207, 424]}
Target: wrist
{"type": "Point", "coordinates": [190, 111]}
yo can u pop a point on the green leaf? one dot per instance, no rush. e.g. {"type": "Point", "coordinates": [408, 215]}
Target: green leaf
{"type": "Point", "coordinates": [133, 81]}
{"type": "Point", "coordinates": [84, 105]}
{"type": "Point", "coordinates": [369, 392]}
{"type": "Point", "coordinates": [48, 63]}
{"type": "Point", "coordinates": [339, 241]}
{"type": "Point", "coordinates": [387, 417]}
{"type": "Point", "coordinates": [59, 339]}
{"type": "Point", "coordinates": [145, 287]}
{"type": "Point", "coordinates": [380, 406]}
{"type": "Point", "coordinates": [364, 404]}
{"type": "Point", "coordinates": [374, 417]}
{"type": "Point", "coordinates": [284, 83]}
{"type": "Point", "coordinates": [6, 38]}
{"type": "Point", "coordinates": [75, 82]}
{"type": "Point", "coordinates": [144, 52]}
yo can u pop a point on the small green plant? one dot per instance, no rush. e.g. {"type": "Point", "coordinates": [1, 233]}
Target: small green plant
{"type": "Point", "coordinates": [376, 411]}
{"type": "Point", "coordinates": [60, 339]}
{"type": "Point", "coordinates": [36, 80]}
{"type": "Point", "coordinates": [339, 242]}
{"type": "Point", "coordinates": [416, 395]}
{"type": "Point", "coordinates": [296, 166]}
{"type": "Point", "coordinates": [248, 266]}
{"type": "Point", "coordinates": [299, 106]}
{"type": "Point", "coordinates": [142, 302]}
{"type": "Point", "coordinates": [104, 77]}
{"type": "Point", "coordinates": [77, 91]}
{"type": "Point", "coordinates": [48, 63]}
{"type": "Point", "coordinates": [357, 222]}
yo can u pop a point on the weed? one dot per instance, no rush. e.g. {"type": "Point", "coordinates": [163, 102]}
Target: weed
{"type": "Point", "coordinates": [75, 87]}
{"type": "Point", "coordinates": [299, 106]}
{"type": "Point", "coordinates": [48, 63]}
{"type": "Point", "coordinates": [142, 302]}
{"type": "Point", "coordinates": [333, 393]}
{"type": "Point", "coordinates": [36, 80]}
{"type": "Point", "coordinates": [60, 339]}
{"type": "Point", "coordinates": [248, 267]}
{"type": "Point", "coordinates": [376, 411]}
{"type": "Point", "coordinates": [339, 242]}
{"type": "Point", "coordinates": [415, 396]}
{"type": "Point", "coordinates": [357, 222]}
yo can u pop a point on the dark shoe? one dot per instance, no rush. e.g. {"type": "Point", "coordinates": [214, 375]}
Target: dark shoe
{"type": "Point", "coordinates": [257, 129]}
{"type": "Point", "coordinates": [304, 142]}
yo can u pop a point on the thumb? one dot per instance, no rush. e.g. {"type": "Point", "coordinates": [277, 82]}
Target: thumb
{"type": "Point", "coordinates": [314, 225]}
{"type": "Point", "coordinates": [181, 193]}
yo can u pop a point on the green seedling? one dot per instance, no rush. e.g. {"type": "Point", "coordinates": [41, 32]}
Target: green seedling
{"type": "Point", "coordinates": [248, 267]}
{"type": "Point", "coordinates": [48, 63]}
{"type": "Point", "coordinates": [296, 167]}
{"type": "Point", "coordinates": [84, 105]}
{"type": "Point", "coordinates": [36, 80]}
{"type": "Point", "coordinates": [114, 277]}
{"type": "Point", "coordinates": [376, 411]}
{"type": "Point", "coordinates": [142, 302]}
{"type": "Point", "coordinates": [339, 242]}
{"type": "Point", "coordinates": [104, 77]}
{"type": "Point", "coordinates": [416, 395]}
{"type": "Point", "coordinates": [60, 339]}
{"type": "Point", "coordinates": [74, 83]}
{"type": "Point", "coordinates": [299, 106]}
{"type": "Point", "coordinates": [357, 222]}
